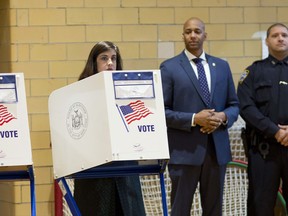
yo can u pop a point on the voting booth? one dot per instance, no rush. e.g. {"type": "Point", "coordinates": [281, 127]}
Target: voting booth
{"type": "Point", "coordinates": [15, 146]}
{"type": "Point", "coordinates": [108, 117]}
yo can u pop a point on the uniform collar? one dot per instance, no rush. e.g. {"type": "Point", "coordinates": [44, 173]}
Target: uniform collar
{"type": "Point", "coordinates": [275, 61]}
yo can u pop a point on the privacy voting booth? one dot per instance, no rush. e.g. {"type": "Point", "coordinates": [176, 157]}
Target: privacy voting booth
{"type": "Point", "coordinates": [109, 117]}
{"type": "Point", "coordinates": [15, 146]}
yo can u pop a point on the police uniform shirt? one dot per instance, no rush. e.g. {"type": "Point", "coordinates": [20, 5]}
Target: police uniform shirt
{"type": "Point", "coordinates": [262, 92]}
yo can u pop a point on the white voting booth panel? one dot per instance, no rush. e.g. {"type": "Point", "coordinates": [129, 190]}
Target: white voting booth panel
{"type": "Point", "coordinates": [110, 116]}
{"type": "Point", "coordinates": [15, 146]}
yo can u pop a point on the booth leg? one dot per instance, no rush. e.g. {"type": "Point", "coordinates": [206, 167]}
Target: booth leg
{"type": "Point", "coordinates": [163, 193]}
{"type": "Point", "coordinates": [68, 197]}
{"type": "Point", "coordinates": [32, 191]}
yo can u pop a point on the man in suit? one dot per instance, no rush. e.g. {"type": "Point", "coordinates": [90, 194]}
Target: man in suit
{"type": "Point", "coordinates": [198, 115]}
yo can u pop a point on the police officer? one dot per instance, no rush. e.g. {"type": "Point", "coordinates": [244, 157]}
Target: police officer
{"type": "Point", "coordinates": [263, 96]}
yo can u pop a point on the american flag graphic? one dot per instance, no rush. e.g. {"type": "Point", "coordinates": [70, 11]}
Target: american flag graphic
{"type": "Point", "coordinates": [5, 116]}
{"type": "Point", "coordinates": [134, 111]}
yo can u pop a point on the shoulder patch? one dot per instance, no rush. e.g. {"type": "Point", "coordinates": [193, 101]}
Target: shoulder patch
{"type": "Point", "coordinates": [243, 76]}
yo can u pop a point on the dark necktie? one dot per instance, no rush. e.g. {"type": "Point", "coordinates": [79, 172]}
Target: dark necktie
{"type": "Point", "coordinates": [202, 80]}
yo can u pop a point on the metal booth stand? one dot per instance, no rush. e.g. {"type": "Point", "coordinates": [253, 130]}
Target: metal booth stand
{"type": "Point", "coordinates": [109, 117]}
{"type": "Point", "coordinates": [120, 171]}
{"type": "Point", "coordinates": [25, 174]}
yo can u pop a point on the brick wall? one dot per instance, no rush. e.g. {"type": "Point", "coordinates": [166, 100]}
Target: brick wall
{"type": "Point", "coordinates": [49, 41]}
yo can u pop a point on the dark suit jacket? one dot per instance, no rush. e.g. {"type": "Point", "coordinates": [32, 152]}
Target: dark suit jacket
{"type": "Point", "coordinates": [183, 97]}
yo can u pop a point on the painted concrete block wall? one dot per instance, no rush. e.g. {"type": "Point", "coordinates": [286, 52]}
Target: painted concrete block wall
{"type": "Point", "coordinates": [49, 41]}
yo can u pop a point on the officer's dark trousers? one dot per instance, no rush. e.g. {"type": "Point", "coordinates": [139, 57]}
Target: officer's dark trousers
{"type": "Point", "coordinates": [264, 179]}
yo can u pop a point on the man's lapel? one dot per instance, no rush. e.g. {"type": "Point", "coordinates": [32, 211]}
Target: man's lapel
{"type": "Point", "coordinates": [213, 73]}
